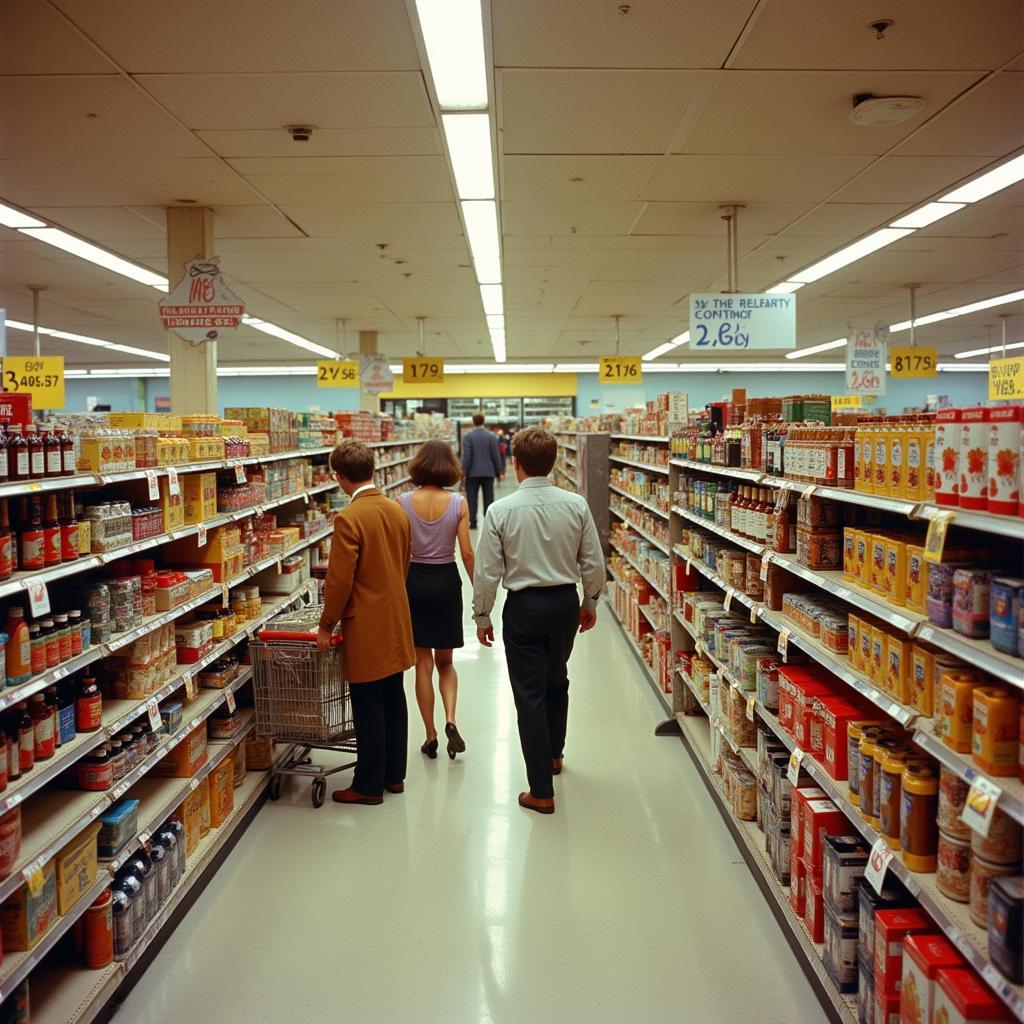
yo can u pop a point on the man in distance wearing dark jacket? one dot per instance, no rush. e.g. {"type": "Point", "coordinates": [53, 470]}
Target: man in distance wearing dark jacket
{"type": "Point", "coordinates": [481, 463]}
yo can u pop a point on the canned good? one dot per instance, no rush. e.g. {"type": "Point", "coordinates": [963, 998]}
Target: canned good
{"type": "Point", "coordinates": [953, 874]}
{"type": "Point", "coordinates": [1004, 604]}
{"type": "Point", "coordinates": [971, 601]}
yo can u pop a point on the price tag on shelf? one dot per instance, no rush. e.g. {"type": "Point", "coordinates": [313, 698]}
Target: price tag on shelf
{"type": "Point", "coordinates": [280, 564]}
{"type": "Point", "coordinates": [38, 598]}
{"type": "Point", "coordinates": [689, 565]}
{"type": "Point", "coordinates": [193, 785]}
{"type": "Point", "coordinates": [784, 643]}
{"type": "Point", "coordinates": [201, 534]}
{"type": "Point", "coordinates": [225, 595]}
{"type": "Point", "coordinates": [808, 491]}
{"type": "Point", "coordinates": [239, 473]}
{"type": "Point", "coordinates": [305, 497]}
{"type": "Point", "coordinates": [153, 714]}
{"type": "Point", "coordinates": [173, 484]}
{"type": "Point", "coordinates": [751, 701]}
{"type": "Point", "coordinates": [729, 595]}
{"type": "Point", "coordinates": [191, 689]}
{"type": "Point", "coordinates": [980, 805]}
{"type": "Point", "coordinates": [793, 771]}
{"type": "Point", "coordinates": [154, 485]}
{"type": "Point", "coordinates": [766, 560]}
{"type": "Point", "coordinates": [229, 699]}
{"type": "Point", "coordinates": [143, 838]}
{"type": "Point", "coordinates": [935, 539]}
{"type": "Point", "coordinates": [755, 610]}
{"type": "Point", "coordinates": [878, 863]}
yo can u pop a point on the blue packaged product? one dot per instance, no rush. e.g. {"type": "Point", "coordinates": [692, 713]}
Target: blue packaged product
{"type": "Point", "coordinates": [117, 827]}
{"type": "Point", "coordinates": [1004, 604]}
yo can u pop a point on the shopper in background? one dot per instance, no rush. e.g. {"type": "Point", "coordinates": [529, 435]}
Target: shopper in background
{"type": "Point", "coordinates": [540, 541]}
{"type": "Point", "coordinates": [502, 449]}
{"type": "Point", "coordinates": [365, 591]}
{"type": "Point", "coordinates": [481, 463]}
{"type": "Point", "coordinates": [438, 518]}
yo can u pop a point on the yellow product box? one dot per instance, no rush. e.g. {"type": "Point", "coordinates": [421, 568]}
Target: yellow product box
{"type": "Point", "coordinates": [876, 561]}
{"type": "Point", "coordinates": [854, 625]}
{"type": "Point", "coordinates": [850, 554]}
{"type": "Point", "coordinates": [222, 792]}
{"type": "Point", "coordinates": [185, 759]}
{"type": "Point", "coordinates": [200, 493]}
{"type": "Point", "coordinates": [76, 867]}
{"type": "Point", "coordinates": [861, 557]}
{"type": "Point", "coordinates": [898, 655]}
{"type": "Point", "coordinates": [162, 421]}
{"type": "Point", "coordinates": [172, 505]}
{"type": "Point", "coordinates": [30, 911]}
{"type": "Point", "coordinates": [195, 815]}
{"type": "Point", "coordinates": [206, 449]}
{"type": "Point", "coordinates": [877, 665]}
{"type": "Point", "coordinates": [259, 443]}
{"type": "Point", "coordinates": [106, 454]}
{"type": "Point", "coordinates": [865, 647]}
{"type": "Point", "coordinates": [84, 537]}
{"type": "Point", "coordinates": [914, 580]}
{"type": "Point", "coordinates": [895, 571]}
{"type": "Point", "coordinates": [922, 679]}
{"type": "Point", "coordinates": [883, 438]}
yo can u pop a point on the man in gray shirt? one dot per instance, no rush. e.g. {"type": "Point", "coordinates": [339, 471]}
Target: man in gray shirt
{"type": "Point", "coordinates": [481, 463]}
{"type": "Point", "coordinates": [540, 541]}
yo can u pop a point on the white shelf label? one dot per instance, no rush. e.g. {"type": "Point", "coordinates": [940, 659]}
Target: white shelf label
{"type": "Point", "coordinates": [980, 805]}
{"type": "Point", "coordinates": [689, 565]}
{"type": "Point", "coordinates": [751, 701]}
{"type": "Point", "coordinates": [38, 598]}
{"type": "Point", "coordinates": [793, 771]}
{"type": "Point", "coordinates": [201, 534]}
{"type": "Point", "coordinates": [766, 559]}
{"type": "Point", "coordinates": [239, 473]}
{"type": "Point", "coordinates": [153, 714]}
{"type": "Point", "coordinates": [808, 491]}
{"type": "Point", "coordinates": [173, 485]}
{"type": "Point", "coordinates": [755, 610]}
{"type": "Point", "coordinates": [878, 863]}
{"type": "Point", "coordinates": [191, 690]}
{"type": "Point", "coordinates": [154, 485]}
{"type": "Point", "coordinates": [143, 838]}
{"type": "Point", "coordinates": [229, 699]}
{"type": "Point", "coordinates": [729, 595]}
{"type": "Point", "coordinates": [305, 497]}
{"type": "Point", "coordinates": [225, 595]}
{"type": "Point", "coordinates": [193, 785]}
{"type": "Point", "coordinates": [784, 643]}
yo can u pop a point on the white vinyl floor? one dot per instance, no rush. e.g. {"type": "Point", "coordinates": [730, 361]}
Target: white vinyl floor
{"type": "Point", "coordinates": [451, 904]}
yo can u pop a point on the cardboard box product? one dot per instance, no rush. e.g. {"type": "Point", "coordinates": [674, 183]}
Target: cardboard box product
{"type": "Point", "coordinates": [222, 792]}
{"type": "Point", "coordinates": [117, 826]}
{"type": "Point", "coordinates": [199, 491]}
{"type": "Point", "coordinates": [76, 866]}
{"type": "Point", "coordinates": [797, 882]}
{"type": "Point", "coordinates": [259, 751]}
{"type": "Point", "coordinates": [840, 951]}
{"type": "Point", "coordinates": [195, 815]}
{"type": "Point", "coordinates": [961, 997]}
{"type": "Point", "coordinates": [184, 759]}
{"type": "Point", "coordinates": [172, 506]}
{"type": "Point", "coordinates": [29, 912]}
{"type": "Point", "coordinates": [818, 818]}
{"type": "Point", "coordinates": [923, 957]}
{"type": "Point", "coordinates": [845, 861]}
{"type": "Point", "coordinates": [891, 928]}
{"type": "Point", "coordinates": [814, 907]}
{"type": "Point", "coordinates": [192, 640]}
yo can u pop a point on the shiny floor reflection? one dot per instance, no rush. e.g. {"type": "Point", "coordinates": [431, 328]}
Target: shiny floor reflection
{"type": "Point", "coordinates": [450, 903]}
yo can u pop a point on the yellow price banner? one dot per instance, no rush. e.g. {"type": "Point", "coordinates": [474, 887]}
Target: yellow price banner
{"type": "Point", "coordinates": [418, 369]}
{"type": "Point", "coordinates": [40, 376]}
{"type": "Point", "coordinates": [620, 370]}
{"type": "Point", "coordinates": [337, 373]}
{"type": "Point", "coordinates": [913, 362]}
{"type": "Point", "coordinates": [847, 401]}
{"type": "Point", "coordinates": [1006, 378]}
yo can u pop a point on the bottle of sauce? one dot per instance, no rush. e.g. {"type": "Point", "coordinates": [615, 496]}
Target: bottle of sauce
{"type": "Point", "coordinates": [13, 745]}
{"type": "Point", "coordinates": [49, 630]}
{"type": "Point", "coordinates": [52, 703]}
{"type": "Point", "coordinates": [66, 711]}
{"type": "Point", "coordinates": [88, 706]}
{"type": "Point", "coordinates": [19, 649]}
{"type": "Point", "coordinates": [51, 533]}
{"type": "Point", "coordinates": [69, 530]}
{"type": "Point", "coordinates": [17, 454]}
{"type": "Point", "coordinates": [6, 543]}
{"type": "Point", "coordinates": [45, 741]}
{"type": "Point", "coordinates": [36, 453]}
{"type": "Point", "coordinates": [51, 454]}
{"type": "Point", "coordinates": [4, 472]}
{"type": "Point", "coordinates": [26, 738]}
{"type": "Point", "coordinates": [118, 760]}
{"type": "Point", "coordinates": [95, 771]}
{"type": "Point", "coordinates": [37, 648]}
{"type": "Point", "coordinates": [31, 540]}
{"type": "Point", "coordinates": [63, 637]}
{"type": "Point", "coordinates": [75, 629]}
{"type": "Point", "coordinates": [67, 453]}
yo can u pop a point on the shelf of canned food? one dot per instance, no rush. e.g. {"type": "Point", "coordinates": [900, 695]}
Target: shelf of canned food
{"type": "Point", "coordinates": [636, 565]}
{"type": "Point", "coordinates": [645, 466]}
{"type": "Point", "coordinates": [640, 501]}
{"type": "Point", "coordinates": [648, 674]}
{"type": "Point", "coordinates": [649, 537]}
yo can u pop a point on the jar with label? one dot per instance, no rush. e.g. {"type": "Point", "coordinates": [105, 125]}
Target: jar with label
{"type": "Point", "coordinates": [49, 630]}
{"type": "Point", "coordinates": [888, 746]}
{"type": "Point", "coordinates": [1002, 845]}
{"type": "Point", "coordinates": [971, 601]}
{"type": "Point", "coordinates": [952, 800]}
{"type": "Point", "coordinates": [953, 872]}
{"type": "Point", "coordinates": [26, 737]}
{"type": "Point", "coordinates": [37, 648]}
{"type": "Point", "coordinates": [63, 637]}
{"type": "Point", "coordinates": [891, 795]}
{"type": "Point", "coordinates": [118, 760]}
{"type": "Point", "coordinates": [99, 933]}
{"type": "Point", "coordinates": [982, 873]}
{"type": "Point", "coordinates": [169, 841]}
{"type": "Point", "coordinates": [66, 711]}
{"type": "Point", "coordinates": [95, 772]}
{"type": "Point", "coordinates": [127, 741]}
{"type": "Point", "coordinates": [89, 706]}
{"type": "Point", "coordinates": [75, 632]}
{"type": "Point", "coordinates": [132, 883]}
{"type": "Point", "coordinates": [42, 728]}
{"type": "Point", "coordinates": [11, 722]}
{"type": "Point", "coordinates": [53, 706]}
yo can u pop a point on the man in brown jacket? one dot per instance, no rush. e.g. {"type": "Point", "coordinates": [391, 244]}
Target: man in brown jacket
{"type": "Point", "coordinates": [365, 590]}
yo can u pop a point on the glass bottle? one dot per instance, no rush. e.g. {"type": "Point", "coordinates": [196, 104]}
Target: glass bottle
{"type": "Point", "coordinates": [11, 720]}
{"type": "Point", "coordinates": [4, 471]}
{"type": "Point", "coordinates": [52, 640]}
{"type": "Point", "coordinates": [69, 530]}
{"type": "Point", "coordinates": [19, 651]}
{"type": "Point", "coordinates": [63, 637]}
{"type": "Point", "coordinates": [51, 453]}
{"type": "Point", "coordinates": [43, 736]}
{"type": "Point", "coordinates": [17, 454]}
{"type": "Point", "coordinates": [51, 533]}
{"type": "Point", "coordinates": [36, 453]}
{"type": "Point", "coordinates": [26, 737]}
{"type": "Point", "coordinates": [31, 554]}
{"type": "Point", "coordinates": [53, 703]}
{"type": "Point", "coordinates": [37, 648]}
{"type": "Point", "coordinates": [67, 453]}
{"type": "Point", "coordinates": [6, 543]}
{"type": "Point", "coordinates": [88, 706]}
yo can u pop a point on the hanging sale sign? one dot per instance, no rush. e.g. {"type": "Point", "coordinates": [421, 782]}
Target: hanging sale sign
{"type": "Point", "coordinates": [913, 362]}
{"type": "Point", "coordinates": [375, 374]}
{"type": "Point", "coordinates": [40, 376]}
{"type": "Point", "coordinates": [1006, 378]}
{"type": "Point", "coordinates": [727, 322]}
{"type": "Point", "coordinates": [422, 369]}
{"type": "Point", "coordinates": [337, 373]}
{"type": "Point", "coordinates": [200, 307]}
{"type": "Point", "coordinates": [620, 370]}
{"type": "Point", "coordinates": [865, 361]}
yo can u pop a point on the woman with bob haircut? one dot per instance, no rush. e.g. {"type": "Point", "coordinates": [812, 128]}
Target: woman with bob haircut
{"type": "Point", "coordinates": [438, 517]}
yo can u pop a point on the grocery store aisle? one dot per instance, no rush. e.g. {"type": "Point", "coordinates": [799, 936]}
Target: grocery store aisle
{"type": "Point", "coordinates": [450, 903]}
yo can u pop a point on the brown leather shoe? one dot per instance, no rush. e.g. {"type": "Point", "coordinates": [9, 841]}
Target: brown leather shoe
{"type": "Point", "coordinates": [535, 803]}
{"type": "Point", "coordinates": [395, 787]}
{"type": "Point", "coordinates": [351, 796]}
{"type": "Point", "coordinates": [556, 766]}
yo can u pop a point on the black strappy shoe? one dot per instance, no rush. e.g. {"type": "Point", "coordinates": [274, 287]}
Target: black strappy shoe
{"type": "Point", "coordinates": [430, 749]}
{"type": "Point", "coordinates": [456, 744]}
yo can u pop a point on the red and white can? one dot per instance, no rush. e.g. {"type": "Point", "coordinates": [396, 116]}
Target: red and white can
{"type": "Point", "coordinates": [947, 456]}
{"type": "Point", "coordinates": [974, 424]}
{"type": "Point", "coordinates": [1004, 469]}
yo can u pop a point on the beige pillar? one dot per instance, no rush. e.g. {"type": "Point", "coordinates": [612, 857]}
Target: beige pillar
{"type": "Point", "coordinates": [368, 346]}
{"type": "Point", "coordinates": [193, 367]}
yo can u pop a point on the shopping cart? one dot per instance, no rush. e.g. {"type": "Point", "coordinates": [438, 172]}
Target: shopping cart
{"type": "Point", "coordinates": [301, 698]}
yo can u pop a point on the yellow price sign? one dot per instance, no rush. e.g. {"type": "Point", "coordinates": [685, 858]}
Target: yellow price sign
{"type": "Point", "coordinates": [620, 370]}
{"type": "Point", "coordinates": [913, 362]}
{"type": "Point", "coordinates": [40, 376]}
{"type": "Point", "coordinates": [847, 401]}
{"type": "Point", "coordinates": [421, 369]}
{"type": "Point", "coordinates": [935, 539]}
{"type": "Point", "coordinates": [337, 373]}
{"type": "Point", "coordinates": [1006, 378]}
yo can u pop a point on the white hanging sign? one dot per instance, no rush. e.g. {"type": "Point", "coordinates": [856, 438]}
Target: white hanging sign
{"type": "Point", "coordinates": [200, 307]}
{"type": "Point", "coordinates": [375, 373]}
{"type": "Point", "coordinates": [725, 323]}
{"type": "Point", "coordinates": [865, 360]}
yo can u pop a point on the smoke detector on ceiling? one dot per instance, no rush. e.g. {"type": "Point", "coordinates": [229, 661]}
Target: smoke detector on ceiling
{"type": "Point", "coordinates": [882, 111]}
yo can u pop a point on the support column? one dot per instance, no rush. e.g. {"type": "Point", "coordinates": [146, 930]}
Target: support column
{"type": "Point", "coordinates": [193, 367]}
{"type": "Point", "coordinates": [368, 346]}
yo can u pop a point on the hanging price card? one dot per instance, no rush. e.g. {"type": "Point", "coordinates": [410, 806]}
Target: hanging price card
{"type": "Point", "coordinates": [751, 701]}
{"type": "Point", "coordinates": [878, 862]}
{"type": "Point", "coordinates": [239, 473]}
{"type": "Point", "coordinates": [337, 373]}
{"type": "Point", "coordinates": [913, 362]}
{"type": "Point", "coordinates": [38, 598]}
{"type": "Point", "coordinates": [729, 594]}
{"type": "Point", "coordinates": [689, 565]}
{"type": "Point", "coordinates": [41, 376]}
{"type": "Point", "coordinates": [980, 805]}
{"type": "Point", "coordinates": [766, 560]}
{"type": "Point", "coordinates": [201, 534]}
{"type": "Point", "coordinates": [229, 699]}
{"type": "Point", "coordinates": [935, 540]}
{"type": "Point", "coordinates": [1006, 378]}
{"type": "Point", "coordinates": [784, 643]}
{"type": "Point", "coordinates": [793, 771]}
{"type": "Point", "coordinates": [422, 369]}
{"type": "Point", "coordinates": [173, 485]}
{"type": "Point", "coordinates": [808, 491]}
{"type": "Point", "coordinates": [154, 485]}
{"type": "Point", "coordinates": [755, 610]}
{"type": "Point", "coordinates": [153, 714]}
{"type": "Point", "coordinates": [620, 370]}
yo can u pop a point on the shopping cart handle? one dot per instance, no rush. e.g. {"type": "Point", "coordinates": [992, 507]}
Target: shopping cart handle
{"type": "Point", "coordinates": [272, 635]}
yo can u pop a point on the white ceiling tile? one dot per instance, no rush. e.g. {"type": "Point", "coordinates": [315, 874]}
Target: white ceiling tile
{"type": "Point", "coordinates": [908, 179]}
{"type": "Point", "coordinates": [104, 223]}
{"type": "Point", "coordinates": [568, 218]}
{"type": "Point", "coordinates": [274, 142]}
{"type": "Point", "coordinates": [574, 178]}
{"type": "Point", "coordinates": [843, 222]}
{"type": "Point", "coordinates": [36, 41]}
{"type": "Point", "coordinates": [703, 224]}
{"type": "Point", "coordinates": [379, 221]}
{"type": "Point", "coordinates": [261, 222]}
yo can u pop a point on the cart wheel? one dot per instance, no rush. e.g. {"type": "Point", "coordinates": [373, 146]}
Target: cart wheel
{"type": "Point", "coordinates": [276, 782]}
{"type": "Point", "coordinates": [319, 792]}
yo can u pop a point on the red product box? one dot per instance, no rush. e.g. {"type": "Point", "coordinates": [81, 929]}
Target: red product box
{"type": "Point", "coordinates": [799, 686]}
{"type": "Point", "coordinates": [891, 927]}
{"type": "Point", "coordinates": [797, 805]}
{"type": "Point", "coordinates": [887, 1007]}
{"type": "Point", "coordinates": [819, 818]}
{"type": "Point", "coordinates": [685, 582]}
{"type": "Point", "coordinates": [828, 733]}
{"type": "Point", "coordinates": [923, 957]}
{"type": "Point", "coordinates": [814, 907]}
{"type": "Point", "coordinates": [797, 881]}
{"type": "Point", "coordinates": [16, 407]}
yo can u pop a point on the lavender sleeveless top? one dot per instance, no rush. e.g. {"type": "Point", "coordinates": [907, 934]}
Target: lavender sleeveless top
{"type": "Point", "coordinates": [433, 540]}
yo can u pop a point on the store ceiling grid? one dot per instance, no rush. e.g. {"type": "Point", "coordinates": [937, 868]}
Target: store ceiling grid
{"type": "Point", "coordinates": [662, 113]}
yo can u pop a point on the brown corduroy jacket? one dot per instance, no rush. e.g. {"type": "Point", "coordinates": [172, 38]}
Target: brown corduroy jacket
{"type": "Point", "coordinates": [365, 587]}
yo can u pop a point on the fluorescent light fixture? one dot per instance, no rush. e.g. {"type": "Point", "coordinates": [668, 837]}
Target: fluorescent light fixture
{"type": "Point", "coordinates": [785, 288]}
{"type": "Point", "coordinates": [659, 351]}
{"type": "Point", "coordinates": [577, 367]}
{"type": "Point", "coordinates": [496, 321]}
{"type": "Point", "coordinates": [927, 214]}
{"type": "Point", "coordinates": [498, 343]}
{"type": "Point", "coordinates": [991, 350]}
{"type": "Point", "coordinates": [492, 298]}
{"type": "Point", "coordinates": [94, 254]}
{"type": "Point", "coordinates": [949, 314]}
{"type": "Point", "coordinates": [293, 339]}
{"type": "Point", "coordinates": [964, 367]}
{"type": "Point", "coordinates": [83, 339]}
{"type": "Point", "coordinates": [481, 217]}
{"type": "Point", "coordinates": [823, 347]}
{"type": "Point", "coordinates": [850, 254]}
{"type": "Point", "coordinates": [270, 371]}
{"type": "Point", "coordinates": [12, 218]}
{"type": "Point", "coordinates": [469, 146]}
{"type": "Point", "coordinates": [984, 185]}
{"type": "Point", "coordinates": [453, 34]}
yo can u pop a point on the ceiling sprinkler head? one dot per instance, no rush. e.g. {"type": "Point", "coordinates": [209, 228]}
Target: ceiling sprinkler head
{"type": "Point", "coordinates": [880, 27]}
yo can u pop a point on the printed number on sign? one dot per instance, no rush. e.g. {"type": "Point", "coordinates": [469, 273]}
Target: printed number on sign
{"type": "Point", "coordinates": [328, 373]}
{"type": "Point", "coordinates": [419, 369]}
{"type": "Point", "coordinates": [616, 370]}
{"type": "Point", "coordinates": [725, 337]}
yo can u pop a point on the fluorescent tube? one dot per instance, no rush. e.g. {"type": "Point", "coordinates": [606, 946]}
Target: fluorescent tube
{"type": "Point", "coordinates": [949, 314]}
{"type": "Point", "coordinates": [823, 347]}
{"type": "Point", "coordinates": [469, 146]}
{"type": "Point", "coordinates": [481, 217]}
{"type": "Point", "coordinates": [492, 298]}
{"type": "Point", "coordinates": [850, 254]}
{"type": "Point", "coordinates": [94, 254]}
{"type": "Point", "coordinates": [785, 288]}
{"type": "Point", "coordinates": [12, 218]}
{"type": "Point", "coordinates": [453, 35]}
{"type": "Point", "coordinates": [986, 184]}
{"type": "Point", "coordinates": [293, 339]}
{"type": "Point", "coordinates": [927, 214]}
{"type": "Point", "coordinates": [991, 350]}
{"type": "Point", "coordinates": [82, 339]}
